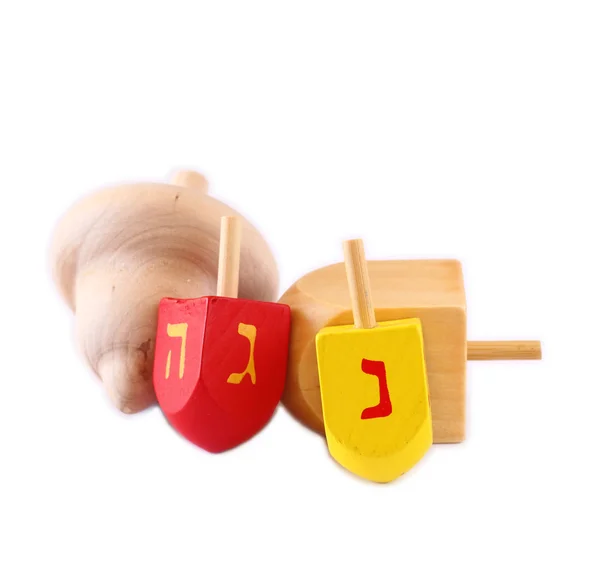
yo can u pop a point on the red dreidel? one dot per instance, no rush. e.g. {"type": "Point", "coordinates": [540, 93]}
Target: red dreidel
{"type": "Point", "coordinates": [220, 362]}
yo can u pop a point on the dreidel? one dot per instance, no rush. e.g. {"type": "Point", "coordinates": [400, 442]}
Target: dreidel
{"type": "Point", "coordinates": [220, 362]}
{"type": "Point", "coordinates": [373, 383]}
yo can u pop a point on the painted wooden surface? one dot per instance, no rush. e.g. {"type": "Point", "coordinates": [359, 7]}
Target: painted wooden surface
{"type": "Point", "coordinates": [220, 367]}
{"type": "Point", "coordinates": [376, 409]}
{"type": "Point", "coordinates": [430, 290]}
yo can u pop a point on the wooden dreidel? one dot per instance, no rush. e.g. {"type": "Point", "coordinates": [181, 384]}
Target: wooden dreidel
{"type": "Point", "coordinates": [432, 291]}
{"type": "Point", "coordinates": [373, 383]}
{"type": "Point", "coordinates": [220, 362]}
{"type": "Point", "coordinates": [118, 251]}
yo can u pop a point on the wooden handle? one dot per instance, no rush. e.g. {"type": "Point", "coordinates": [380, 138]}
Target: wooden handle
{"type": "Point", "coordinates": [229, 257]}
{"type": "Point", "coordinates": [191, 179]}
{"type": "Point", "coordinates": [485, 350]}
{"type": "Point", "coordinates": [359, 284]}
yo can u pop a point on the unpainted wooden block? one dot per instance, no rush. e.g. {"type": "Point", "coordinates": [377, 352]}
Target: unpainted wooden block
{"type": "Point", "coordinates": [430, 290]}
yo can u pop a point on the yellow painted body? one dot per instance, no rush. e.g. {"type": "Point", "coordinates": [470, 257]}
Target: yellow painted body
{"type": "Point", "coordinates": [372, 435]}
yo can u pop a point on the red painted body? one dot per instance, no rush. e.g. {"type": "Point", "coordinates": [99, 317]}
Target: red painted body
{"type": "Point", "coordinates": [201, 396]}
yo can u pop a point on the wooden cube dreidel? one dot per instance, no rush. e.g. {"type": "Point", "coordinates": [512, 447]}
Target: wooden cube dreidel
{"type": "Point", "coordinates": [220, 362]}
{"type": "Point", "coordinates": [432, 291]}
{"type": "Point", "coordinates": [373, 385]}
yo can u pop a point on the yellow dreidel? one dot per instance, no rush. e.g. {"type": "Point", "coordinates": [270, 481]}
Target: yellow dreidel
{"type": "Point", "coordinates": [373, 385]}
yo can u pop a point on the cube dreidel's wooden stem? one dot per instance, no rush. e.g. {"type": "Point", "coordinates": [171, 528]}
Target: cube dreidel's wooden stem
{"type": "Point", "coordinates": [220, 362]}
{"type": "Point", "coordinates": [489, 350]}
{"type": "Point", "coordinates": [373, 385]}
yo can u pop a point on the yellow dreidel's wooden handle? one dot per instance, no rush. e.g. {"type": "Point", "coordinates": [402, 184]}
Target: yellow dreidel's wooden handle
{"type": "Point", "coordinates": [373, 385]}
{"type": "Point", "coordinates": [359, 285]}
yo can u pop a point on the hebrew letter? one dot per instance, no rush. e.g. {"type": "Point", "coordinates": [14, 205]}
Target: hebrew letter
{"type": "Point", "coordinates": [384, 407]}
{"type": "Point", "coordinates": [248, 331]}
{"type": "Point", "coordinates": [177, 330]}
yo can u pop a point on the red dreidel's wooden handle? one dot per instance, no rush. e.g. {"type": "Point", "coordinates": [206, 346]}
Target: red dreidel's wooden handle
{"type": "Point", "coordinates": [228, 276]}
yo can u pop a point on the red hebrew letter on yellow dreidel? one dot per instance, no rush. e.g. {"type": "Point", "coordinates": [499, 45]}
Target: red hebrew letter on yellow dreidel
{"type": "Point", "coordinates": [373, 385]}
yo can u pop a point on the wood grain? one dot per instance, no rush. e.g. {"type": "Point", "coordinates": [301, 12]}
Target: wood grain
{"type": "Point", "coordinates": [117, 252]}
{"type": "Point", "coordinates": [190, 179]}
{"type": "Point", "coordinates": [359, 285]}
{"type": "Point", "coordinates": [490, 350]}
{"type": "Point", "coordinates": [430, 290]}
{"type": "Point", "coordinates": [229, 257]}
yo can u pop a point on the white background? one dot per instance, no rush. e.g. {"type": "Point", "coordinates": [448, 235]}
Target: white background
{"type": "Point", "coordinates": [431, 129]}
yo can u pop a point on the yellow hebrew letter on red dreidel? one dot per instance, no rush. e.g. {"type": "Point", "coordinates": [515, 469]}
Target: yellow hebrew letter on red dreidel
{"type": "Point", "coordinates": [177, 330]}
{"type": "Point", "coordinates": [249, 332]}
